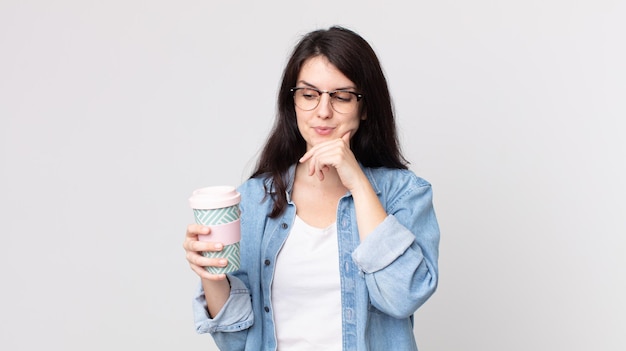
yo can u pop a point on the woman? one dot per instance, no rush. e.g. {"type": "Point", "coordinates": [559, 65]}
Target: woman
{"type": "Point", "coordinates": [339, 239]}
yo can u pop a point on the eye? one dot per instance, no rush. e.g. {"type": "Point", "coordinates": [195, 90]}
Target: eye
{"type": "Point", "coordinates": [343, 96]}
{"type": "Point", "coordinates": [309, 94]}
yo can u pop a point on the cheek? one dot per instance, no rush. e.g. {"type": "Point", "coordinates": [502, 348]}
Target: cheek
{"type": "Point", "coordinates": [356, 122]}
{"type": "Point", "coordinates": [299, 118]}
{"type": "Point", "coordinates": [301, 121]}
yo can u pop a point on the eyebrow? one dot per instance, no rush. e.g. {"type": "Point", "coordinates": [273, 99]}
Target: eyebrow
{"type": "Point", "coordinates": [348, 88]}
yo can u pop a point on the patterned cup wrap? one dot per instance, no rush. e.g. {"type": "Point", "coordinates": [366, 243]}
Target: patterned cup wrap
{"type": "Point", "coordinates": [216, 216]}
{"type": "Point", "coordinates": [218, 208]}
{"type": "Point", "coordinates": [228, 234]}
{"type": "Point", "coordinates": [230, 252]}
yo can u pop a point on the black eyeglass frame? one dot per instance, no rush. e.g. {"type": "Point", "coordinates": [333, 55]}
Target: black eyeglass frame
{"type": "Point", "coordinates": [359, 96]}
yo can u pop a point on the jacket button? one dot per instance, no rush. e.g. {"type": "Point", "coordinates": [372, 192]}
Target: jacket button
{"type": "Point", "coordinates": [267, 309]}
{"type": "Point", "coordinates": [267, 262]}
{"type": "Point", "coordinates": [284, 225]}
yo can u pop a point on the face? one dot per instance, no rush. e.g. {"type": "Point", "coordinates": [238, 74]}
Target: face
{"type": "Point", "coordinates": [324, 123]}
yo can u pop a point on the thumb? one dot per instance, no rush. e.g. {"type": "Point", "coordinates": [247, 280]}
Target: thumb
{"type": "Point", "coordinates": [346, 137]}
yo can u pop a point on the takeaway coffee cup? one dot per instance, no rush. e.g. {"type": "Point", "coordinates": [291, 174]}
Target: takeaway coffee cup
{"type": "Point", "coordinates": [218, 208]}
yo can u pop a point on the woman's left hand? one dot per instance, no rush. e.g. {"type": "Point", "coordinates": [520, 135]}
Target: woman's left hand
{"type": "Point", "coordinates": [337, 154]}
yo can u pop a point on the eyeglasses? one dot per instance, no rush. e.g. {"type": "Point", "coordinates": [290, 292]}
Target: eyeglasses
{"type": "Point", "coordinates": [342, 101]}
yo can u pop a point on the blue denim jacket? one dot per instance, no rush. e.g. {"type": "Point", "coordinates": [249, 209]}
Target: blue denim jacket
{"type": "Point", "coordinates": [384, 279]}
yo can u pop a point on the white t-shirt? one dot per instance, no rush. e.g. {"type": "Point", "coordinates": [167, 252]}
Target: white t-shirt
{"type": "Point", "coordinates": [306, 291]}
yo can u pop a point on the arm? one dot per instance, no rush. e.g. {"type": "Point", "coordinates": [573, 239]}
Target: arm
{"type": "Point", "coordinates": [399, 258]}
{"type": "Point", "coordinates": [337, 154]}
{"type": "Point", "coordinates": [221, 305]}
{"type": "Point", "coordinates": [230, 326]}
{"type": "Point", "coordinates": [369, 211]}
{"type": "Point", "coordinates": [399, 233]}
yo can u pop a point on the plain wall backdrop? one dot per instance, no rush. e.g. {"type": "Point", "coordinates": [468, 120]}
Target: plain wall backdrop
{"type": "Point", "coordinates": [112, 112]}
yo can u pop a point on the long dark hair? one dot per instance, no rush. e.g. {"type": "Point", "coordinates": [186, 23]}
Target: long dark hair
{"type": "Point", "coordinates": [375, 144]}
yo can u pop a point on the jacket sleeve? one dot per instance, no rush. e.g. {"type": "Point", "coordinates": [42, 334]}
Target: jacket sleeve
{"type": "Point", "coordinates": [399, 258]}
{"type": "Point", "coordinates": [230, 327]}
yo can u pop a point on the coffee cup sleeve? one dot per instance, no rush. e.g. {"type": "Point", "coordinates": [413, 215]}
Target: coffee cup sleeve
{"type": "Point", "coordinates": [226, 234]}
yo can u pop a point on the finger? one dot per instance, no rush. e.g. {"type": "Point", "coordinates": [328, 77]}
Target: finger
{"type": "Point", "coordinates": [197, 229]}
{"type": "Point", "coordinates": [312, 166]}
{"type": "Point", "coordinates": [323, 169]}
{"type": "Point", "coordinates": [203, 273]}
{"type": "Point", "coordinates": [346, 137]}
{"type": "Point", "coordinates": [198, 259]}
{"type": "Point", "coordinates": [199, 246]}
{"type": "Point", "coordinates": [315, 150]}
{"type": "Point", "coordinates": [320, 175]}
{"type": "Point", "coordinates": [198, 263]}
{"type": "Point", "coordinates": [306, 156]}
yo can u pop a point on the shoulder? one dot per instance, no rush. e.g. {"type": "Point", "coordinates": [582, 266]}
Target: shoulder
{"type": "Point", "coordinates": [384, 178]}
{"type": "Point", "coordinates": [399, 188]}
{"type": "Point", "coordinates": [253, 189]}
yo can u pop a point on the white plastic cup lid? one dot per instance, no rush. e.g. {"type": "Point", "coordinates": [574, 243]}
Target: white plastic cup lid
{"type": "Point", "coordinates": [214, 197]}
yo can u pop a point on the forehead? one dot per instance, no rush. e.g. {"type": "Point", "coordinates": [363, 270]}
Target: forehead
{"type": "Point", "coordinates": [319, 72]}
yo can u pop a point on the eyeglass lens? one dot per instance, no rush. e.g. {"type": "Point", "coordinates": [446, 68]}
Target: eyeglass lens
{"type": "Point", "coordinates": [341, 101]}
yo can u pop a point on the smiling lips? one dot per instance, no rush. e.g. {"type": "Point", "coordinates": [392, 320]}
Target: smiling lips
{"type": "Point", "coordinates": [323, 130]}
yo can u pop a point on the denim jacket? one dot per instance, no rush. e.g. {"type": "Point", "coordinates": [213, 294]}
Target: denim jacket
{"type": "Point", "coordinates": [384, 279]}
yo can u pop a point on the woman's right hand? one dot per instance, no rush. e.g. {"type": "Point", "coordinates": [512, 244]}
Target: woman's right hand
{"type": "Point", "coordinates": [194, 248]}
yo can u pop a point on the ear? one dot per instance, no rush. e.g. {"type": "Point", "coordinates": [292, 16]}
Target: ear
{"type": "Point", "coordinates": [363, 116]}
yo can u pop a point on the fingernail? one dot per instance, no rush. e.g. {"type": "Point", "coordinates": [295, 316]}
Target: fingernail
{"type": "Point", "coordinates": [222, 262]}
{"type": "Point", "coordinates": [219, 246]}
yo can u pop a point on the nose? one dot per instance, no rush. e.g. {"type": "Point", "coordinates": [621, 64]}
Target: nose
{"type": "Point", "coordinates": [324, 108]}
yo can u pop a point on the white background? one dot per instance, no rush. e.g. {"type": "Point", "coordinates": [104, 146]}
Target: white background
{"type": "Point", "coordinates": [113, 112]}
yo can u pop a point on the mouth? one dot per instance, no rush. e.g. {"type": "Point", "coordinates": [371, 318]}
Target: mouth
{"type": "Point", "coordinates": [323, 130]}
